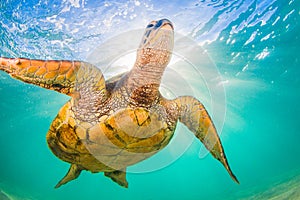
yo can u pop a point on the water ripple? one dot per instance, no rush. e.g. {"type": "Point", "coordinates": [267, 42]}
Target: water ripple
{"type": "Point", "coordinates": [70, 29]}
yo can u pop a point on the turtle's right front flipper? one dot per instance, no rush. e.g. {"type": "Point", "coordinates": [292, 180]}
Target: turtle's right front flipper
{"type": "Point", "coordinates": [58, 75]}
{"type": "Point", "coordinates": [193, 114]}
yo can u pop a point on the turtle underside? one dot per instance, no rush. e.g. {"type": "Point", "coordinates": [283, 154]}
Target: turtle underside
{"type": "Point", "coordinates": [115, 142]}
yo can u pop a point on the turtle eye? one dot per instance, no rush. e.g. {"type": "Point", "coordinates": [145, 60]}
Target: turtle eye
{"type": "Point", "coordinates": [150, 25]}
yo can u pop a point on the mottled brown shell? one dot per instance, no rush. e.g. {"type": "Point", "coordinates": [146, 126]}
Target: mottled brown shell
{"type": "Point", "coordinates": [127, 137]}
{"type": "Point", "coordinates": [122, 139]}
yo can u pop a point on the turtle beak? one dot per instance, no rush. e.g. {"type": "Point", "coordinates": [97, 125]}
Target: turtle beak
{"type": "Point", "coordinates": [165, 24]}
{"type": "Point", "coordinates": [167, 27]}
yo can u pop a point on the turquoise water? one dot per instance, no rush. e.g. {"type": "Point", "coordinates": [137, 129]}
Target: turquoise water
{"type": "Point", "coordinates": [253, 44]}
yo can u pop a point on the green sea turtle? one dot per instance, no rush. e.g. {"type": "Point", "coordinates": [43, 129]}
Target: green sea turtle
{"type": "Point", "coordinates": [109, 125]}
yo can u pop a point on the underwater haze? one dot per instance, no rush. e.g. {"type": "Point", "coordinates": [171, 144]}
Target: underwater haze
{"type": "Point", "coordinates": [254, 47]}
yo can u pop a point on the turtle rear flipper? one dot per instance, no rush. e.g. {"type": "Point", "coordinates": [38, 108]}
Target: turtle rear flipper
{"type": "Point", "coordinates": [118, 177]}
{"type": "Point", "coordinates": [72, 174]}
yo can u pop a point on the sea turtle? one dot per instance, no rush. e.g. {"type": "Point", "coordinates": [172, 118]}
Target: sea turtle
{"type": "Point", "coordinates": [109, 125]}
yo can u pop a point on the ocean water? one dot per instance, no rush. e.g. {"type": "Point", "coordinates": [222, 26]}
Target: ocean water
{"type": "Point", "coordinates": [245, 69]}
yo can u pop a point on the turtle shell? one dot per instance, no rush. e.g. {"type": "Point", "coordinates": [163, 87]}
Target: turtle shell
{"type": "Point", "coordinates": [123, 138]}
{"type": "Point", "coordinates": [127, 137]}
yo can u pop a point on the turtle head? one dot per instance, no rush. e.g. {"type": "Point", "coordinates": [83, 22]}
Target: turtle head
{"type": "Point", "coordinates": [157, 44]}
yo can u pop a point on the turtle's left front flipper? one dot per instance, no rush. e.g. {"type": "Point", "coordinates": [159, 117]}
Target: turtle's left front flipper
{"type": "Point", "coordinates": [193, 114]}
{"type": "Point", "coordinates": [59, 75]}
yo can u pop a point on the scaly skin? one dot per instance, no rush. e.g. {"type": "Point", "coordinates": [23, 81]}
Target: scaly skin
{"type": "Point", "coordinates": [53, 75]}
{"type": "Point", "coordinates": [107, 126]}
{"type": "Point", "coordinates": [60, 76]}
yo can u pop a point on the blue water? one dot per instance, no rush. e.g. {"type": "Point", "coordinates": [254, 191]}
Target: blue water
{"type": "Point", "coordinates": [253, 44]}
